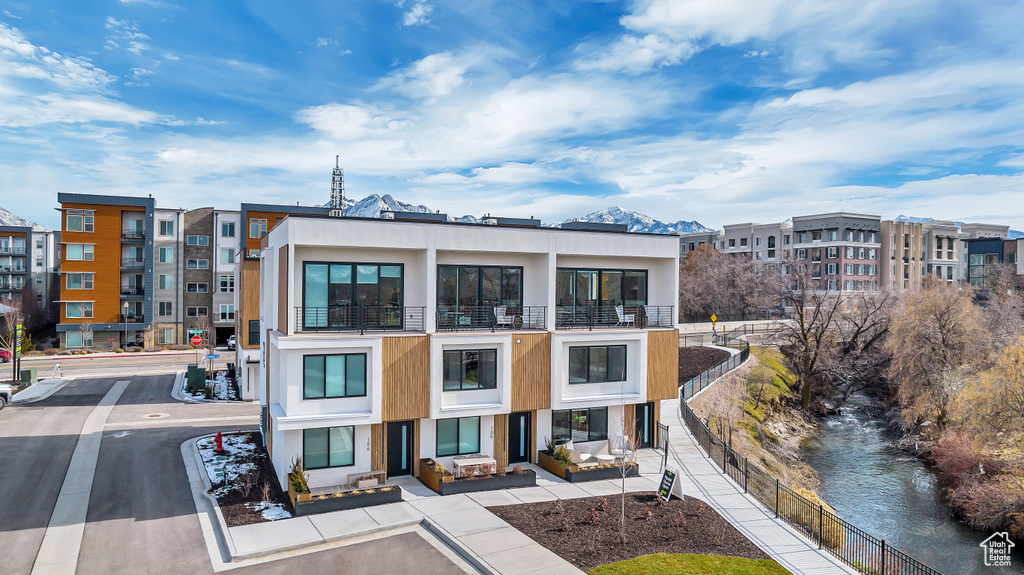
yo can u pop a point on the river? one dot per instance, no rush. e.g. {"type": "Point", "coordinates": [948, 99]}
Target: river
{"type": "Point", "coordinates": [890, 494]}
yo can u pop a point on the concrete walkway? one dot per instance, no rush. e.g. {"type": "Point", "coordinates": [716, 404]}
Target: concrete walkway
{"type": "Point", "coordinates": [40, 391]}
{"type": "Point", "coordinates": [58, 552]}
{"type": "Point", "coordinates": [705, 482]}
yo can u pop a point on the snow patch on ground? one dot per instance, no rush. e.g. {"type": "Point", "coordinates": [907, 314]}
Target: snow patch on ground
{"type": "Point", "coordinates": [222, 388]}
{"type": "Point", "coordinates": [238, 454]}
{"type": "Point", "coordinates": [271, 511]}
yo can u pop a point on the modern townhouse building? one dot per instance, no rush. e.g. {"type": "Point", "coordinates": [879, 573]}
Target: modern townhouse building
{"type": "Point", "coordinates": [903, 253]}
{"type": "Point", "coordinates": [985, 255]}
{"type": "Point", "coordinates": [690, 242]}
{"type": "Point", "coordinates": [941, 249]}
{"type": "Point", "coordinates": [841, 250]}
{"type": "Point", "coordinates": [982, 251]}
{"type": "Point", "coordinates": [15, 261]}
{"type": "Point", "coordinates": [255, 221]}
{"type": "Point", "coordinates": [226, 257]}
{"type": "Point", "coordinates": [387, 341]}
{"type": "Point", "coordinates": [107, 271]}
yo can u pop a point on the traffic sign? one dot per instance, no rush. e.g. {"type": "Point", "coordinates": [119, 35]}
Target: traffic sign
{"type": "Point", "coordinates": [195, 332]}
{"type": "Point", "coordinates": [197, 340]}
{"type": "Point", "coordinates": [714, 318]}
{"type": "Point", "coordinates": [213, 356]}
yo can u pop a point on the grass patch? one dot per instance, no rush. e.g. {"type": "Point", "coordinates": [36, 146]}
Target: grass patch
{"type": "Point", "coordinates": [676, 563]}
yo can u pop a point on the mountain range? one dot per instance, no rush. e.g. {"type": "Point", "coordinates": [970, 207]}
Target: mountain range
{"type": "Point", "coordinates": [9, 219]}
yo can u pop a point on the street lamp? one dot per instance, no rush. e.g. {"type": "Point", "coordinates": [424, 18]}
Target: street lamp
{"type": "Point", "coordinates": [125, 318]}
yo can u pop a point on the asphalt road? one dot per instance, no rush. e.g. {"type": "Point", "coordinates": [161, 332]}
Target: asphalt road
{"type": "Point", "coordinates": [141, 516]}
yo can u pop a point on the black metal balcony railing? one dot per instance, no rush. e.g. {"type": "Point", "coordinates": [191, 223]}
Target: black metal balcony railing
{"type": "Point", "coordinates": [12, 250]}
{"type": "Point", "coordinates": [478, 317]}
{"type": "Point", "coordinates": [132, 318]}
{"type": "Point", "coordinates": [360, 318]}
{"type": "Point", "coordinates": [132, 263]}
{"type": "Point", "coordinates": [608, 316]}
{"type": "Point", "coordinates": [131, 234]}
{"type": "Point", "coordinates": [133, 291]}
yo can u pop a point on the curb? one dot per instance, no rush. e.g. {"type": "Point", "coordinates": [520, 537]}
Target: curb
{"type": "Point", "coordinates": [221, 535]}
{"type": "Point", "coordinates": [106, 355]}
{"type": "Point", "coordinates": [179, 395]}
{"type": "Point", "coordinates": [54, 388]}
{"type": "Point", "coordinates": [472, 558]}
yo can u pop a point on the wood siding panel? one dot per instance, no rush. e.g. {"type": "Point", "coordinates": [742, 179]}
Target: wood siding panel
{"type": "Point", "coordinates": [531, 371]}
{"type": "Point", "coordinates": [272, 219]}
{"type": "Point", "coordinates": [406, 385]}
{"type": "Point", "coordinates": [662, 364]}
{"type": "Point", "coordinates": [250, 286]}
{"type": "Point", "coordinates": [378, 449]}
{"type": "Point", "coordinates": [282, 289]}
{"type": "Point", "coordinates": [629, 421]}
{"type": "Point", "coordinates": [501, 439]}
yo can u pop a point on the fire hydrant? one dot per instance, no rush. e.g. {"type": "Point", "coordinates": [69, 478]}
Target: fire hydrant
{"type": "Point", "coordinates": [220, 445]}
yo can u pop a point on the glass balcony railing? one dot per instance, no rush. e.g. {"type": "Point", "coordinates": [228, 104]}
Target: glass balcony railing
{"type": "Point", "coordinates": [132, 263]}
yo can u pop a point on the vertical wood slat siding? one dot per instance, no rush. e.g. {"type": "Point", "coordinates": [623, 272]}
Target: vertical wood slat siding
{"type": "Point", "coordinates": [282, 289]}
{"type": "Point", "coordinates": [657, 420]}
{"type": "Point", "coordinates": [662, 364]}
{"type": "Point", "coordinates": [406, 378]}
{"type": "Point", "coordinates": [531, 371]}
{"type": "Point", "coordinates": [378, 447]}
{"type": "Point", "coordinates": [501, 439]}
{"type": "Point", "coordinates": [629, 421]}
{"type": "Point", "coordinates": [250, 286]}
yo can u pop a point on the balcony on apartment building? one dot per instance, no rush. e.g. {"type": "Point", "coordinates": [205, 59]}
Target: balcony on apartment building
{"type": "Point", "coordinates": [360, 318]}
{"type": "Point", "coordinates": [8, 249]}
{"type": "Point", "coordinates": [132, 263]}
{"type": "Point", "coordinates": [613, 316]}
{"type": "Point", "coordinates": [132, 318]}
{"type": "Point", "coordinates": [132, 291]}
{"type": "Point", "coordinates": [133, 234]}
{"type": "Point", "coordinates": [491, 317]}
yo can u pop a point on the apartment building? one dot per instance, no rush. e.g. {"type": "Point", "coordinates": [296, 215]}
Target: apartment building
{"type": "Point", "coordinates": [168, 265]}
{"type": "Point", "coordinates": [941, 248]}
{"type": "Point", "coordinates": [226, 257]}
{"type": "Point", "coordinates": [106, 287]}
{"type": "Point", "coordinates": [15, 261]}
{"type": "Point", "coordinates": [983, 252]}
{"type": "Point", "coordinates": [388, 341]}
{"type": "Point", "coordinates": [690, 242]}
{"type": "Point", "coordinates": [903, 253]}
{"type": "Point", "coordinates": [841, 250]}
{"type": "Point", "coordinates": [769, 244]}
{"type": "Point", "coordinates": [256, 221]}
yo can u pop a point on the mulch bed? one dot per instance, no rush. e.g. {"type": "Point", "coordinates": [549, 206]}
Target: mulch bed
{"type": "Point", "coordinates": [233, 503]}
{"type": "Point", "coordinates": [567, 528]}
{"type": "Point", "coordinates": [695, 360]}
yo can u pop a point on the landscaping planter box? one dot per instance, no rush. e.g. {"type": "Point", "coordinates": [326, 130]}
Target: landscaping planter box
{"type": "Point", "coordinates": [303, 504]}
{"type": "Point", "coordinates": [446, 484]}
{"type": "Point", "coordinates": [576, 474]}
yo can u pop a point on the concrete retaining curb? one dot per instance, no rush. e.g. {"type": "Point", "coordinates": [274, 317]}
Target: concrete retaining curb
{"type": "Point", "coordinates": [40, 391]}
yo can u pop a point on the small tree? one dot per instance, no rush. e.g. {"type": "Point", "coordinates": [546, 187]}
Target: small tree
{"type": "Point", "coordinates": [87, 333]}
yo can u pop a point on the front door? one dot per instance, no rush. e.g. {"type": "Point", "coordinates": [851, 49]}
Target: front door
{"type": "Point", "coordinates": [519, 437]}
{"type": "Point", "coordinates": [400, 438]}
{"type": "Point", "coordinates": [645, 425]}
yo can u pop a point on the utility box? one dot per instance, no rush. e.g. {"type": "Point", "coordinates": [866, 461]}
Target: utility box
{"type": "Point", "coordinates": [195, 377]}
{"type": "Point", "coordinates": [28, 376]}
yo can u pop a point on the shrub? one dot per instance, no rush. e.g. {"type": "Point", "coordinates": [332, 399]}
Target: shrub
{"type": "Point", "coordinates": [563, 454]}
{"type": "Point", "coordinates": [117, 350]}
{"type": "Point", "coordinates": [297, 476]}
{"type": "Point", "coordinates": [177, 347]}
{"type": "Point", "coordinates": [517, 470]}
{"type": "Point", "coordinates": [51, 351]}
{"type": "Point", "coordinates": [134, 349]}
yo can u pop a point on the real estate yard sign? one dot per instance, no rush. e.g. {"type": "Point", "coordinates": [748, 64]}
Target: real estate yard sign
{"type": "Point", "coordinates": [670, 485]}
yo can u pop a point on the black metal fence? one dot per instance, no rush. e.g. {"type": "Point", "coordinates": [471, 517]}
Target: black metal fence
{"type": "Point", "coordinates": [604, 316]}
{"type": "Point", "coordinates": [467, 318]}
{"type": "Point", "coordinates": [692, 387]}
{"type": "Point", "coordinates": [360, 318]}
{"type": "Point", "coordinates": [855, 547]}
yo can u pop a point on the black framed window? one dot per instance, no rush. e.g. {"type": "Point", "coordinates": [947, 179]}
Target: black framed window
{"type": "Point", "coordinates": [597, 364]}
{"type": "Point", "coordinates": [254, 332]}
{"type": "Point", "coordinates": [587, 424]}
{"type": "Point", "coordinates": [581, 287]}
{"type": "Point", "coordinates": [458, 436]}
{"type": "Point", "coordinates": [470, 369]}
{"type": "Point", "coordinates": [472, 286]}
{"type": "Point", "coordinates": [328, 447]}
{"type": "Point", "coordinates": [341, 284]}
{"type": "Point", "coordinates": [340, 375]}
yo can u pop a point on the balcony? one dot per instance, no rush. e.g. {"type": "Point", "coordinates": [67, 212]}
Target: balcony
{"type": "Point", "coordinates": [133, 234]}
{"type": "Point", "coordinates": [361, 318]}
{"type": "Point", "coordinates": [132, 264]}
{"type": "Point", "coordinates": [18, 251]}
{"type": "Point", "coordinates": [132, 318]}
{"type": "Point", "coordinates": [608, 316]}
{"type": "Point", "coordinates": [132, 291]}
{"type": "Point", "coordinates": [470, 318]}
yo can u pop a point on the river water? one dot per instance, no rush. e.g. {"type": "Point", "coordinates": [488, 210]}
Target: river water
{"type": "Point", "coordinates": [890, 494]}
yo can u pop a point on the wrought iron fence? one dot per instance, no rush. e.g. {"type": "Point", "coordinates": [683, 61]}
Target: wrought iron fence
{"type": "Point", "coordinates": [604, 316]}
{"type": "Point", "coordinates": [705, 317]}
{"type": "Point", "coordinates": [855, 547]}
{"type": "Point", "coordinates": [467, 318]}
{"type": "Point", "coordinates": [360, 318]}
{"type": "Point", "coordinates": [692, 387]}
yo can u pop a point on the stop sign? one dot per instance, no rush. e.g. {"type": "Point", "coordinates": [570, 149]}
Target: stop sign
{"type": "Point", "coordinates": [197, 340]}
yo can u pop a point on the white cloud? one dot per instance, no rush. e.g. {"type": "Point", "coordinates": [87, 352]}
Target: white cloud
{"type": "Point", "coordinates": [434, 76]}
{"type": "Point", "coordinates": [418, 15]}
{"type": "Point", "coordinates": [634, 54]}
{"type": "Point", "coordinates": [125, 33]}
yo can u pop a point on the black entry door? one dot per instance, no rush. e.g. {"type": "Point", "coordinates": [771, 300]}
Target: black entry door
{"type": "Point", "coordinates": [400, 438]}
{"type": "Point", "coordinates": [644, 425]}
{"type": "Point", "coordinates": [519, 437]}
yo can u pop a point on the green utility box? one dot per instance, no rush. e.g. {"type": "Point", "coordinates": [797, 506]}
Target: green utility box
{"type": "Point", "coordinates": [28, 376]}
{"type": "Point", "coordinates": [195, 377]}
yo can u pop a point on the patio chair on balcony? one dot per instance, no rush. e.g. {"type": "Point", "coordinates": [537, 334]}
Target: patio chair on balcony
{"type": "Point", "coordinates": [654, 316]}
{"type": "Point", "coordinates": [501, 319]}
{"type": "Point", "coordinates": [624, 318]}
{"type": "Point", "coordinates": [533, 318]}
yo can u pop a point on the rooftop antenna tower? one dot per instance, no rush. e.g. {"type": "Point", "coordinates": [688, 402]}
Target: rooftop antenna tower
{"type": "Point", "coordinates": [338, 187]}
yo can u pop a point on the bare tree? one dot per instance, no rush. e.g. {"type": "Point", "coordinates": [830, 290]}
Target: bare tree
{"type": "Point", "coordinates": [13, 317]}
{"type": "Point", "coordinates": [726, 284]}
{"type": "Point", "coordinates": [862, 330]}
{"type": "Point", "coordinates": [87, 333]}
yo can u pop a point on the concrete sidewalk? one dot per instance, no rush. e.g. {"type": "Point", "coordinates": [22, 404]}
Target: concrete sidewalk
{"type": "Point", "coordinates": [41, 390]}
{"type": "Point", "coordinates": [704, 481]}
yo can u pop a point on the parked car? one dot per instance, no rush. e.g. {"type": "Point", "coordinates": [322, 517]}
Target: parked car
{"type": "Point", "coordinates": [5, 355]}
{"type": "Point", "coordinates": [231, 343]}
{"type": "Point", "coordinates": [6, 393]}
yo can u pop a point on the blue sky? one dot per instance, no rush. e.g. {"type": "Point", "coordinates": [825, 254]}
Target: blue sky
{"type": "Point", "coordinates": [716, 110]}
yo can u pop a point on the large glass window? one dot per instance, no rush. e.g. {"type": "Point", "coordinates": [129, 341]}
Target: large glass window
{"type": "Point", "coordinates": [576, 287]}
{"type": "Point", "coordinates": [80, 221]}
{"type": "Point", "coordinates": [227, 229]}
{"type": "Point", "coordinates": [328, 447]}
{"type": "Point", "coordinates": [79, 281]}
{"type": "Point", "coordinates": [326, 376]}
{"type": "Point", "coordinates": [79, 252]}
{"type": "Point", "coordinates": [166, 227]}
{"type": "Point", "coordinates": [458, 436]}
{"type": "Point", "coordinates": [331, 289]}
{"type": "Point", "coordinates": [588, 424]}
{"type": "Point", "coordinates": [78, 310]}
{"type": "Point", "coordinates": [470, 369]}
{"type": "Point", "coordinates": [597, 364]}
{"type": "Point", "coordinates": [197, 240]}
{"type": "Point", "coordinates": [485, 286]}
{"type": "Point", "coordinates": [257, 227]}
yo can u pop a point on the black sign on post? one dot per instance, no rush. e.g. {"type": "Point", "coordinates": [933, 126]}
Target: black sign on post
{"type": "Point", "coordinates": [668, 484]}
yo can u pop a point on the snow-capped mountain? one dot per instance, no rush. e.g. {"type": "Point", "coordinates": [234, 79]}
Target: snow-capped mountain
{"type": "Point", "coordinates": [638, 222]}
{"type": "Point", "coordinates": [9, 219]}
